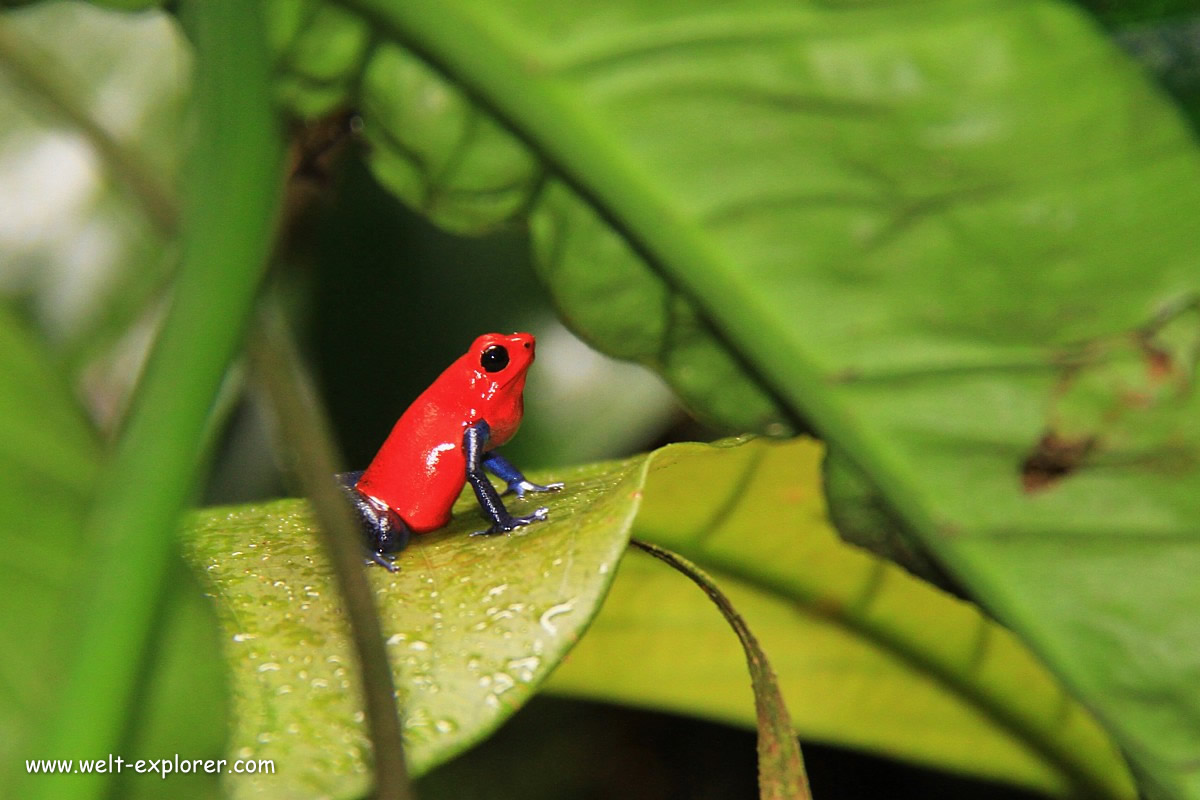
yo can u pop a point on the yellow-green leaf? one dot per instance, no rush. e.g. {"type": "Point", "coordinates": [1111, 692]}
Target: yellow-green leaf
{"type": "Point", "coordinates": [868, 656]}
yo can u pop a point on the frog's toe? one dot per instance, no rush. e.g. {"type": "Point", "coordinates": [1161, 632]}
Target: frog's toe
{"type": "Point", "coordinates": [523, 488]}
{"type": "Point", "coordinates": [385, 560]}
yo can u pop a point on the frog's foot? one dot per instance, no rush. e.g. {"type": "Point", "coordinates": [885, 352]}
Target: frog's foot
{"type": "Point", "coordinates": [385, 532]}
{"type": "Point", "coordinates": [511, 523]}
{"type": "Point", "coordinates": [385, 560]}
{"type": "Point", "coordinates": [521, 487]}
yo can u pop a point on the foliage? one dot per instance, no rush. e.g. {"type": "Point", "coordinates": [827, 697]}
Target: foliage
{"type": "Point", "coordinates": [953, 240]}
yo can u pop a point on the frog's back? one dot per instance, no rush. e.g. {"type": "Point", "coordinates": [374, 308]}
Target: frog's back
{"type": "Point", "coordinates": [421, 468]}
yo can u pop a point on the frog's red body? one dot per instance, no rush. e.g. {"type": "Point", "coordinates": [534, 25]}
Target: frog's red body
{"type": "Point", "coordinates": [422, 467]}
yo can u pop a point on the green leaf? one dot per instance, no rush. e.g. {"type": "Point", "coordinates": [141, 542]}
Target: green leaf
{"type": "Point", "coordinates": [622, 308]}
{"type": "Point", "coordinates": [319, 49]}
{"type": "Point", "coordinates": [182, 704]}
{"type": "Point", "coordinates": [473, 625]}
{"type": "Point", "coordinates": [917, 224]}
{"type": "Point", "coordinates": [868, 656]}
{"type": "Point", "coordinates": [48, 463]}
{"type": "Point", "coordinates": [48, 459]}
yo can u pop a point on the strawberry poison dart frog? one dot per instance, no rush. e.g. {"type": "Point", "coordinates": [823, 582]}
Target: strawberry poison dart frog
{"type": "Point", "coordinates": [445, 439]}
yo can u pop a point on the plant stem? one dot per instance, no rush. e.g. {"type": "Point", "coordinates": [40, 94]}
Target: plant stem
{"type": "Point", "coordinates": [305, 432]}
{"type": "Point", "coordinates": [230, 206]}
{"type": "Point", "coordinates": [781, 774]}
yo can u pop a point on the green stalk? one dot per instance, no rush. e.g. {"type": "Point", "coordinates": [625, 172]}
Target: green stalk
{"type": "Point", "coordinates": [230, 199]}
{"type": "Point", "coordinates": [306, 437]}
{"type": "Point", "coordinates": [781, 774]}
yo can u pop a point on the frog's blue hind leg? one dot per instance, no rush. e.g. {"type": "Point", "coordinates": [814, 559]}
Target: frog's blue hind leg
{"type": "Point", "coordinates": [386, 533]}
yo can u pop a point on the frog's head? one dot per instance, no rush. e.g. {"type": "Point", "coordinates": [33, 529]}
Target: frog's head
{"type": "Point", "coordinates": [497, 365]}
{"type": "Point", "coordinates": [501, 359]}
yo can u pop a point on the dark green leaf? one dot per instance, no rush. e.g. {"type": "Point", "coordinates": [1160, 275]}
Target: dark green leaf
{"type": "Point", "coordinates": [955, 237]}
{"type": "Point", "coordinates": [48, 460]}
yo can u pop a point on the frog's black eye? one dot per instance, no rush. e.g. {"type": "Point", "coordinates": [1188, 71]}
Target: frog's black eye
{"type": "Point", "coordinates": [494, 359]}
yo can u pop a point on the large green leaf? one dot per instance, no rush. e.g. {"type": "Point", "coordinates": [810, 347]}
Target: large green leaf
{"type": "Point", "coordinates": [439, 153]}
{"type": "Point", "coordinates": [868, 656]}
{"type": "Point", "coordinates": [48, 460]}
{"type": "Point", "coordinates": [956, 237]}
{"type": "Point", "coordinates": [473, 625]}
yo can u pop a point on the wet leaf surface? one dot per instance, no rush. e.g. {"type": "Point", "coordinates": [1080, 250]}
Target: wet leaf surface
{"type": "Point", "coordinates": [472, 624]}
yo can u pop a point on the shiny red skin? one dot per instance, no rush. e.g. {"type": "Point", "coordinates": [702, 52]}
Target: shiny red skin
{"type": "Point", "coordinates": [421, 468]}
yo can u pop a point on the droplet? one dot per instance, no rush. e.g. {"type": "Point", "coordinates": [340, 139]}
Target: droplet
{"type": "Point", "coordinates": [270, 666]}
{"type": "Point", "coordinates": [553, 611]}
{"type": "Point", "coordinates": [525, 667]}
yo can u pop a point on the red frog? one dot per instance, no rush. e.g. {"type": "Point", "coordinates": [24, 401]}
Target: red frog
{"type": "Point", "coordinates": [445, 439]}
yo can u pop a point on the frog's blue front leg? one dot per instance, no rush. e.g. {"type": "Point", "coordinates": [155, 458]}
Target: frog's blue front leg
{"type": "Point", "coordinates": [474, 441]}
{"type": "Point", "coordinates": [503, 469]}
